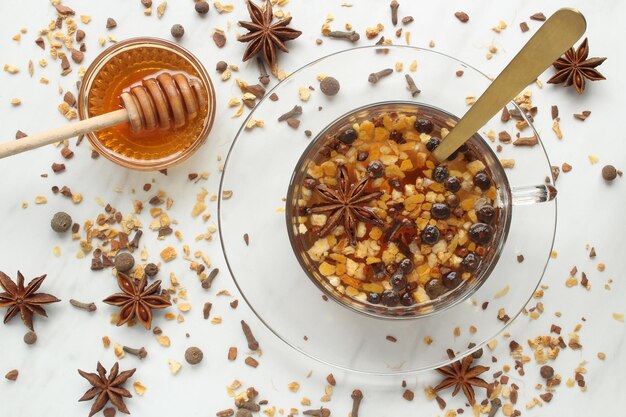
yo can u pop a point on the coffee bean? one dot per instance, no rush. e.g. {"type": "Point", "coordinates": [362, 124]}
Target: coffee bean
{"type": "Point", "coordinates": [480, 233]}
{"type": "Point", "coordinates": [470, 262]}
{"type": "Point", "coordinates": [452, 280]}
{"type": "Point", "coordinates": [405, 266]}
{"type": "Point", "coordinates": [390, 298]}
{"type": "Point", "coordinates": [440, 174]}
{"type": "Point", "coordinates": [482, 181]}
{"type": "Point", "coordinates": [398, 281]}
{"type": "Point", "coordinates": [486, 213]}
{"type": "Point", "coordinates": [430, 235]}
{"type": "Point", "coordinates": [452, 184]}
{"type": "Point", "coordinates": [434, 288]}
{"type": "Point", "coordinates": [375, 169]}
{"type": "Point", "coordinates": [424, 125]}
{"type": "Point", "coordinates": [373, 297]}
{"type": "Point", "coordinates": [432, 143]}
{"type": "Point", "coordinates": [440, 211]}
{"type": "Point", "coordinates": [407, 299]}
{"type": "Point", "coordinates": [452, 201]}
{"type": "Point", "coordinates": [348, 136]}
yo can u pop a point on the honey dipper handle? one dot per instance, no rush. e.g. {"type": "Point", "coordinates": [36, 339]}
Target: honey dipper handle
{"type": "Point", "coordinates": [55, 135]}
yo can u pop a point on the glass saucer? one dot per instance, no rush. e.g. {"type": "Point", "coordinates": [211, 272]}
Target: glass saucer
{"type": "Point", "coordinates": [258, 171]}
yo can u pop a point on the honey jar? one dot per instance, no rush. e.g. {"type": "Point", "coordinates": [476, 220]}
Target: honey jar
{"type": "Point", "coordinates": [125, 65]}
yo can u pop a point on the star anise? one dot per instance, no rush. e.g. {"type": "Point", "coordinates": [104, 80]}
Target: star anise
{"type": "Point", "coordinates": [107, 388]}
{"type": "Point", "coordinates": [574, 67]}
{"type": "Point", "coordinates": [265, 37]}
{"type": "Point", "coordinates": [345, 204]}
{"type": "Point", "coordinates": [136, 300]}
{"type": "Point", "coordinates": [461, 375]}
{"type": "Point", "coordinates": [24, 299]}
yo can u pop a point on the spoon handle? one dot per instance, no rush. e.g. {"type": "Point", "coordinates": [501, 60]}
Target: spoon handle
{"type": "Point", "coordinates": [554, 37]}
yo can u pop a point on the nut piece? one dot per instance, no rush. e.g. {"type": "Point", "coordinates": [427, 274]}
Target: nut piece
{"type": "Point", "coordinates": [177, 31]}
{"type": "Point", "coordinates": [462, 16]}
{"type": "Point", "coordinates": [111, 23]}
{"type": "Point", "coordinates": [61, 222]}
{"type": "Point", "coordinates": [193, 355]}
{"type": "Point", "coordinates": [12, 375]}
{"type": "Point", "coordinates": [609, 173]}
{"type": "Point", "coordinates": [330, 86]}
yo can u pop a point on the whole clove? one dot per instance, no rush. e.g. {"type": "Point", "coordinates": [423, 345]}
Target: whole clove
{"type": "Point", "coordinates": [85, 306]}
{"type": "Point", "coordinates": [411, 85]}
{"type": "Point", "coordinates": [264, 78]}
{"type": "Point", "coordinates": [295, 112]}
{"type": "Point", "coordinates": [317, 412]}
{"type": "Point", "coordinates": [206, 310]}
{"type": "Point", "coordinates": [141, 353]}
{"type": "Point", "coordinates": [352, 36]}
{"type": "Point", "coordinates": [357, 396]}
{"type": "Point", "coordinates": [208, 281]}
{"type": "Point", "coordinates": [376, 76]}
{"type": "Point", "coordinates": [253, 344]}
{"type": "Point", "coordinates": [394, 12]}
{"type": "Point", "coordinates": [134, 244]}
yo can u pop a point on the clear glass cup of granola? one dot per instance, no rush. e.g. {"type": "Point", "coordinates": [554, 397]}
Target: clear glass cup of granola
{"type": "Point", "coordinates": [291, 179]}
{"type": "Point", "coordinates": [383, 228]}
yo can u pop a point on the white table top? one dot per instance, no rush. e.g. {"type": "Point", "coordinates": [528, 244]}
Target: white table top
{"type": "Point", "coordinates": [590, 212]}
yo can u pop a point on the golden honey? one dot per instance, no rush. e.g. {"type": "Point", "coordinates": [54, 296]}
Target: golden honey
{"type": "Point", "coordinates": [127, 64]}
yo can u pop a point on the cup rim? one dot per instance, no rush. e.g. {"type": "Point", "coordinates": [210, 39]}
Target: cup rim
{"type": "Point", "coordinates": [105, 56]}
{"type": "Point", "coordinates": [416, 311]}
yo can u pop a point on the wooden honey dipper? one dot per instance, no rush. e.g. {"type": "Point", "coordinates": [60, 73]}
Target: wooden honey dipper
{"type": "Point", "coordinates": [160, 101]}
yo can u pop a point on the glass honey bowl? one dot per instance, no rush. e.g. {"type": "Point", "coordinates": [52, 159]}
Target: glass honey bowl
{"type": "Point", "coordinates": [123, 65]}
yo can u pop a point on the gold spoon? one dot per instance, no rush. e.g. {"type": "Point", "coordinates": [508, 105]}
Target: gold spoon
{"type": "Point", "coordinates": [554, 37]}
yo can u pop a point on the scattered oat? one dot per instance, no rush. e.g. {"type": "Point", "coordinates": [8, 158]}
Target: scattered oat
{"type": "Point", "coordinates": [304, 93]}
{"type": "Point", "coordinates": [163, 340]}
{"type": "Point", "coordinates": [223, 8]}
{"type": "Point", "coordinates": [161, 9]}
{"type": "Point", "coordinates": [139, 388]}
{"type": "Point", "coordinates": [174, 366]}
{"type": "Point", "coordinates": [168, 254]}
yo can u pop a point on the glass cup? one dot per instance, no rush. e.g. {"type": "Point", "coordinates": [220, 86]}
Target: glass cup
{"type": "Point", "coordinates": [121, 66]}
{"type": "Point", "coordinates": [506, 198]}
{"type": "Point", "coordinates": [261, 170]}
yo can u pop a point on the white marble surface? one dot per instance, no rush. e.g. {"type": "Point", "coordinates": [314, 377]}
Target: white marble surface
{"type": "Point", "coordinates": [590, 211]}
